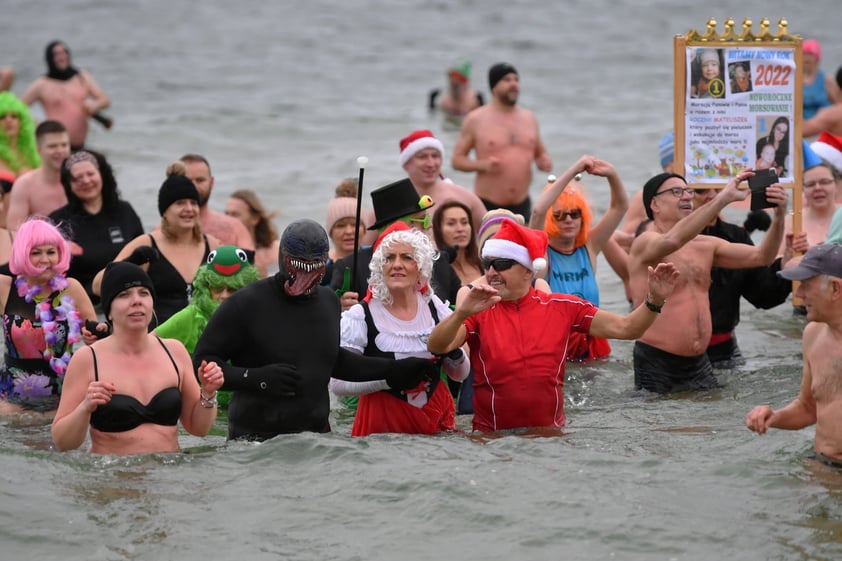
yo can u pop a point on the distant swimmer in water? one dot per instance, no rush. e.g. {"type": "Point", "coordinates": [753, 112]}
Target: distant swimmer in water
{"type": "Point", "coordinates": [7, 78]}
{"type": "Point", "coordinates": [460, 98]}
{"type": "Point", "coordinates": [506, 142]}
{"type": "Point", "coordinates": [68, 95]}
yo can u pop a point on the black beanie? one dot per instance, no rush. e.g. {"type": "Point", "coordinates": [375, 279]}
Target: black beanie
{"type": "Point", "coordinates": [119, 276]}
{"type": "Point", "coordinates": [175, 188]}
{"type": "Point", "coordinates": [496, 73]}
{"type": "Point", "coordinates": [652, 187]}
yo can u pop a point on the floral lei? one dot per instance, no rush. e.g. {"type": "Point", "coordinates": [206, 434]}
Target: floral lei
{"type": "Point", "coordinates": [57, 356]}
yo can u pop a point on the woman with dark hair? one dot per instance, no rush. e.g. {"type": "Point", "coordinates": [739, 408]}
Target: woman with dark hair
{"type": "Point", "coordinates": [454, 234]}
{"type": "Point", "coordinates": [245, 206]}
{"type": "Point", "coordinates": [97, 222]}
{"type": "Point", "coordinates": [779, 138]}
{"type": "Point", "coordinates": [130, 390]}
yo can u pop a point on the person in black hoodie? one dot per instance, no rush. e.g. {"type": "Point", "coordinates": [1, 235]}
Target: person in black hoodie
{"type": "Point", "coordinates": [761, 286]}
{"type": "Point", "coordinates": [95, 219]}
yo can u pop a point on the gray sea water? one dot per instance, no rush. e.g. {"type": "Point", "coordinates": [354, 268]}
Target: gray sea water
{"type": "Point", "coordinates": [282, 97]}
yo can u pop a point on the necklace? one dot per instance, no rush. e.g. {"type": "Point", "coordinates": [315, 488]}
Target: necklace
{"type": "Point", "coordinates": [57, 351]}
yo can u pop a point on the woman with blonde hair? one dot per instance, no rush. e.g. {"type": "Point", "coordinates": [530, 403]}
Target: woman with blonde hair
{"type": "Point", "coordinates": [245, 206]}
{"type": "Point", "coordinates": [564, 214]}
{"type": "Point", "coordinates": [173, 254]}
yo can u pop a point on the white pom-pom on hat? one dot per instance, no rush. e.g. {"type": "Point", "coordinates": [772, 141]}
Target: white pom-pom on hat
{"type": "Point", "coordinates": [524, 245]}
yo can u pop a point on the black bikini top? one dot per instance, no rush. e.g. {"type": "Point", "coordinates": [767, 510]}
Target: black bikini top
{"type": "Point", "coordinates": [125, 413]}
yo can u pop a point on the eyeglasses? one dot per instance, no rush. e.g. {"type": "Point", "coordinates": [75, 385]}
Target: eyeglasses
{"type": "Point", "coordinates": [823, 182]}
{"type": "Point", "coordinates": [499, 265]}
{"type": "Point", "coordinates": [425, 222]}
{"type": "Point", "coordinates": [574, 214]}
{"type": "Point", "coordinates": [676, 191]}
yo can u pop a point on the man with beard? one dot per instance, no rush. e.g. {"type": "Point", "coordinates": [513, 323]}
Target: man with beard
{"type": "Point", "coordinates": [670, 356]}
{"type": "Point", "coordinates": [68, 95]}
{"type": "Point", "coordinates": [278, 340]}
{"type": "Point", "coordinates": [506, 140]}
{"type": "Point", "coordinates": [227, 229]}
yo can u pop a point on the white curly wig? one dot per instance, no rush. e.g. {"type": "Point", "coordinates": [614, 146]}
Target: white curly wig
{"type": "Point", "coordinates": [424, 254]}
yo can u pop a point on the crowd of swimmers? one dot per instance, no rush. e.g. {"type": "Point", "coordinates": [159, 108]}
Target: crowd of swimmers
{"type": "Point", "coordinates": [434, 301]}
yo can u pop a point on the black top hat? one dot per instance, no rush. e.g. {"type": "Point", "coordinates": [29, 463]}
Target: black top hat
{"type": "Point", "coordinates": [394, 201]}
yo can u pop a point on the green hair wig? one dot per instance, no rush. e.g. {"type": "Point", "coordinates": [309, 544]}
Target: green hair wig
{"type": "Point", "coordinates": [26, 144]}
{"type": "Point", "coordinates": [227, 266]}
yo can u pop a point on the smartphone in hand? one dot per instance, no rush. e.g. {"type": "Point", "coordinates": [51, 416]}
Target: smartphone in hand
{"type": "Point", "coordinates": [762, 178]}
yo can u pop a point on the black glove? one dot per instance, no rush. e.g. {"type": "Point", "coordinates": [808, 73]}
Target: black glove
{"type": "Point", "coordinates": [143, 254]}
{"type": "Point", "coordinates": [275, 379]}
{"type": "Point", "coordinates": [91, 326]}
{"type": "Point", "coordinates": [409, 372]}
{"type": "Point", "coordinates": [757, 220]}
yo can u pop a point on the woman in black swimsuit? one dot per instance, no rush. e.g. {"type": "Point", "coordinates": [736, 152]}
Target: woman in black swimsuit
{"type": "Point", "coordinates": [173, 254]}
{"type": "Point", "coordinates": [132, 387]}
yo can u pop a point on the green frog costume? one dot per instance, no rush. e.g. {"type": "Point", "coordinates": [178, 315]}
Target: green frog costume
{"type": "Point", "coordinates": [227, 267]}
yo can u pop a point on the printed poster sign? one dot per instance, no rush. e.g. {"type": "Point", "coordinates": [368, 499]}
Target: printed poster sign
{"type": "Point", "coordinates": [739, 111]}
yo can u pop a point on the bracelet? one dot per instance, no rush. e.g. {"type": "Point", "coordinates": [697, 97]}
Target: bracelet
{"type": "Point", "coordinates": [207, 402]}
{"type": "Point", "coordinates": [652, 307]}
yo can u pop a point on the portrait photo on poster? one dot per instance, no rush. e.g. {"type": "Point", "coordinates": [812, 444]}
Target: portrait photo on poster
{"type": "Point", "coordinates": [739, 74]}
{"type": "Point", "coordinates": [772, 146]}
{"type": "Point", "coordinates": [707, 79]}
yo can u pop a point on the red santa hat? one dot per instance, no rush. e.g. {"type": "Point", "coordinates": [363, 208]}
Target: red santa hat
{"type": "Point", "coordinates": [829, 148]}
{"type": "Point", "coordinates": [524, 245]}
{"type": "Point", "coordinates": [417, 141]}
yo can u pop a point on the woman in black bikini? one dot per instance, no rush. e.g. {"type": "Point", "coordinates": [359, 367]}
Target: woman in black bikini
{"type": "Point", "coordinates": [132, 387]}
{"type": "Point", "coordinates": [173, 254]}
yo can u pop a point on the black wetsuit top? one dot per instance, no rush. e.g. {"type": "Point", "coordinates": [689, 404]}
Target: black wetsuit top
{"type": "Point", "coordinates": [172, 292]}
{"type": "Point", "coordinates": [261, 325]}
{"type": "Point", "coordinates": [124, 412]}
{"type": "Point", "coordinates": [101, 237]}
{"type": "Point", "coordinates": [761, 286]}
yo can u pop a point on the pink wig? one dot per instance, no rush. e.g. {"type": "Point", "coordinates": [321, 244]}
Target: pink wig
{"type": "Point", "coordinates": [32, 233]}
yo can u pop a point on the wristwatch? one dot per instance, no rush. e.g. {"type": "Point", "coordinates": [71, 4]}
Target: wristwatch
{"type": "Point", "coordinates": [653, 307]}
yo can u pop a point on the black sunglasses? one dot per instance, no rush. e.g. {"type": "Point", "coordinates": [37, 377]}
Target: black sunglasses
{"type": "Point", "coordinates": [499, 265]}
{"type": "Point", "coordinates": [575, 214]}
